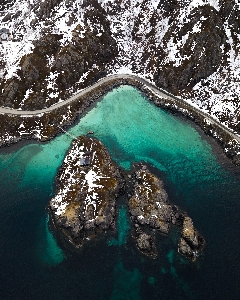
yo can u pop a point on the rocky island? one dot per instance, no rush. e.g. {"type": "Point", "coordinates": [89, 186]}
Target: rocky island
{"type": "Point", "coordinates": [87, 186]}
{"type": "Point", "coordinates": [150, 210]}
{"type": "Point", "coordinates": [84, 206]}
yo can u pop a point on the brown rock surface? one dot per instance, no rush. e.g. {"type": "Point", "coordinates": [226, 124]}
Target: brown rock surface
{"type": "Point", "coordinates": [150, 209]}
{"type": "Point", "coordinates": [191, 242]}
{"type": "Point", "coordinates": [149, 204]}
{"type": "Point", "coordinates": [88, 184]}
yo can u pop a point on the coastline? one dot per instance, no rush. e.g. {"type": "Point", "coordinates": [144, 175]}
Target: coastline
{"type": "Point", "coordinates": [43, 126]}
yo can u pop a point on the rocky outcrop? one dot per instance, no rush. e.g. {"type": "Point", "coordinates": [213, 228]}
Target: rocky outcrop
{"type": "Point", "coordinates": [149, 204]}
{"type": "Point", "coordinates": [199, 51]}
{"type": "Point", "coordinates": [145, 242]}
{"type": "Point", "coordinates": [30, 84]}
{"type": "Point", "coordinates": [87, 187]}
{"type": "Point", "coordinates": [191, 242]}
{"type": "Point", "coordinates": [150, 210]}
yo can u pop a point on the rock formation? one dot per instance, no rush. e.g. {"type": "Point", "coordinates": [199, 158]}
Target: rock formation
{"type": "Point", "coordinates": [87, 186]}
{"type": "Point", "coordinates": [149, 203]}
{"type": "Point", "coordinates": [150, 209]}
{"type": "Point", "coordinates": [191, 242]}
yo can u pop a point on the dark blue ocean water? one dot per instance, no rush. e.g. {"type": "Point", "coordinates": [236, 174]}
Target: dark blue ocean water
{"type": "Point", "coordinates": [197, 178]}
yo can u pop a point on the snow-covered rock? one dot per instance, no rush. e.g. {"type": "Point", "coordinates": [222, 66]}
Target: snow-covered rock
{"type": "Point", "coordinates": [87, 186]}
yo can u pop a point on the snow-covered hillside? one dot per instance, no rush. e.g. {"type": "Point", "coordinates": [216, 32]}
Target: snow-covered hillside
{"type": "Point", "coordinates": [188, 47]}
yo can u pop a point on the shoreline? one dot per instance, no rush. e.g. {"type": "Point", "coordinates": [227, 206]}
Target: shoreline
{"type": "Point", "coordinates": [71, 110]}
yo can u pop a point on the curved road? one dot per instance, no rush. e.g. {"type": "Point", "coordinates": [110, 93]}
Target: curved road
{"type": "Point", "coordinates": [153, 88]}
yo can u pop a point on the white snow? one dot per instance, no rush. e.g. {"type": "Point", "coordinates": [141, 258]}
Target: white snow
{"type": "Point", "coordinates": [89, 182]}
{"type": "Point", "coordinates": [92, 178]}
{"type": "Point", "coordinates": [217, 95]}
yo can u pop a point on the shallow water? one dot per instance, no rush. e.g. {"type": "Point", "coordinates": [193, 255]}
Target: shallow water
{"type": "Point", "coordinates": [34, 267]}
{"type": "Point", "coordinates": [123, 227]}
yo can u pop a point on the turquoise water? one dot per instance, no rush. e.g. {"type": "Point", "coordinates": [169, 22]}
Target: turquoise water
{"type": "Point", "coordinates": [123, 227]}
{"type": "Point", "coordinates": [151, 280]}
{"type": "Point", "coordinates": [34, 267]}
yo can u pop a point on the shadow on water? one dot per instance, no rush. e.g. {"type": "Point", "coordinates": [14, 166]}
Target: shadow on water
{"type": "Point", "coordinates": [127, 284]}
{"type": "Point", "coordinates": [48, 252]}
{"type": "Point", "coordinates": [118, 152]}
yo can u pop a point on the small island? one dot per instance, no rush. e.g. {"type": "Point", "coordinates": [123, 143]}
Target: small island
{"type": "Point", "coordinates": [88, 184]}
{"type": "Point", "coordinates": [151, 211]}
{"type": "Point", "coordinates": [84, 206]}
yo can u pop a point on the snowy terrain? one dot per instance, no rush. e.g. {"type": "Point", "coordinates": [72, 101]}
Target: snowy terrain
{"type": "Point", "coordinates": [190, 48]}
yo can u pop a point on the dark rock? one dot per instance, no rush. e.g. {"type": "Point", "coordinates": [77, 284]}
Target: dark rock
{"type": "Point", "coordinates": [184, 248]}
{"type": "Point", "coordinates": [149, 203]}
{"type": "Point", "coordinates": [145, 244]}
{"type": "Point", "coordinates": [191, 242]}
{"type": "Point", "coordinates": [150, 209]}
{"type": "Point", "coordinates": [201, 62]}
